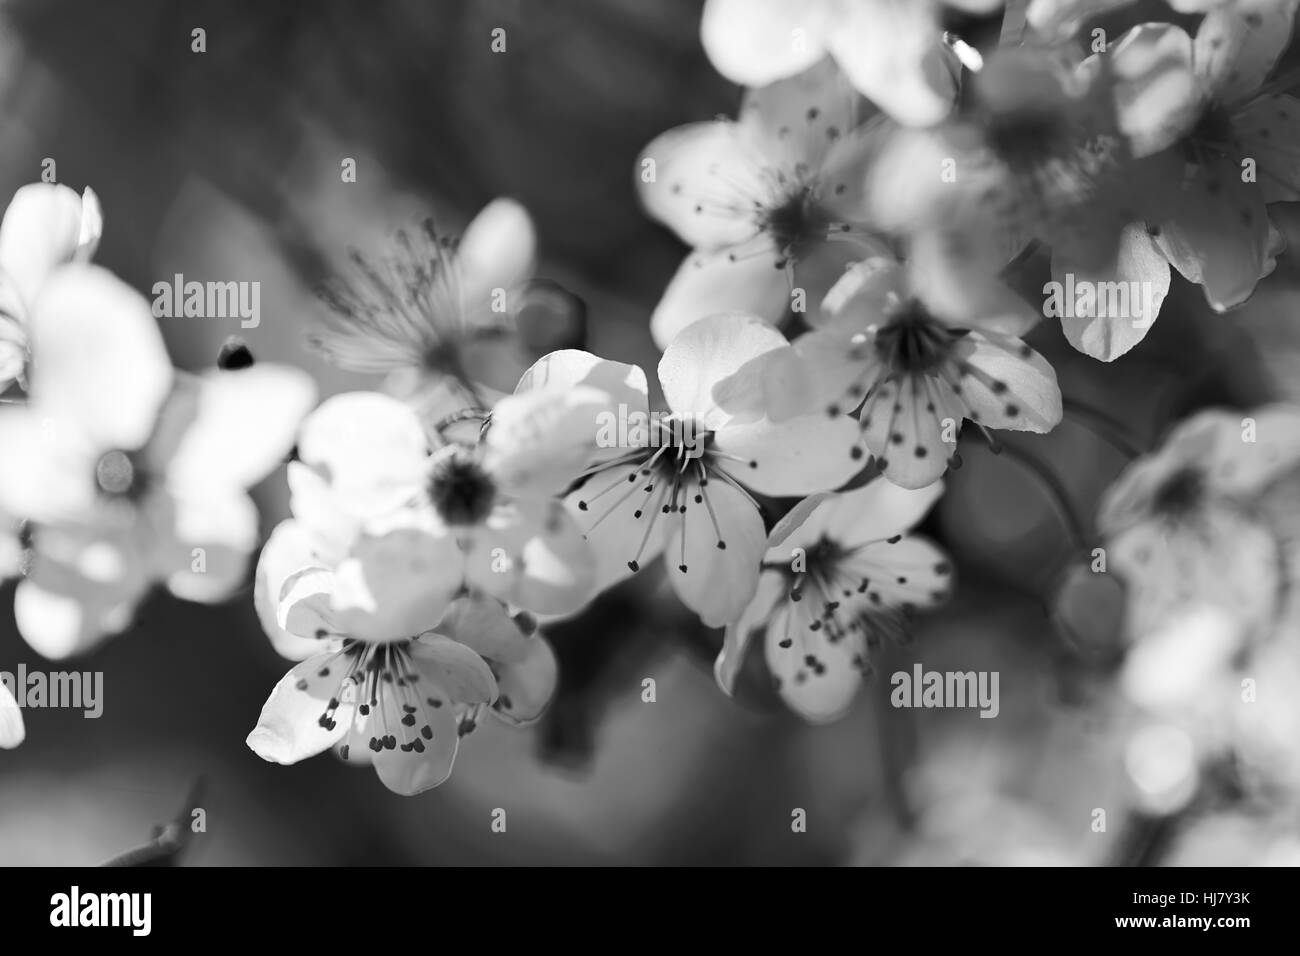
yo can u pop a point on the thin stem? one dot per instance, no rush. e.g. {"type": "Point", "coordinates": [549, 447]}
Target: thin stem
{"type": "Point", "coordinates": [1105, 427]}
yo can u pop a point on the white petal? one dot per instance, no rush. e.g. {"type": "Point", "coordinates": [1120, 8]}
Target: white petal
{"type": "Point", "coordinates": [1011, 386]}
{"type": "Point", "coordinates": [718, 582]}
{"type": "Point", "coordinates": [244, 426]}
{"type": "Point", "coordinates": [98, 358]}
{"type": "Point", "coordinates": [497, 251]}
{"type": "Point", "coordinates": [1127, 297]}
{"type": "Point", "coordinates": [287, 551]}
{"type": "Point", "coordinates": [704, 354]}
{"type": "Point", "coordinates": [212, 538]}
{"type": "Point", "coordinates": [486, 626]}
{"type": "Point", "coordinates": [753, 621]}
{"type": "Point", "coordinates": [12, 731]}
{"type": "Point", "coordinates": [713, 283]}
{"type": "Point", "coordinates": [527, 685]}
{"type": "Point", "coordinates": [49, 467]}
{"type": "Point", "coordinates": [540, 440]}
{"type": "Point", "coordinates": [617, 517]}
{"type": "Point", "coordinates": [800, 117]}
{"type": "Point", "coordinates": [289, 728]}
{"type": "Point", "coordinates": [532, 554]}
{"type": "Point", "coordinates": [1156, 93]}
{"type": "Point", "coordinates": [795, 457]}
{"type": "Point", "coordinates": [396, 585]}
{"type": "Point", "coordinates": [753, 42]}
{"type": "Point", "coordinates": [41, 230]}
{"type": "Point", "coordinates": [567, 368]}
{"type": "Point", "coordinates": [1235, 53]}
{"type": "Point", "coordinates": [818, 678]}
{"type": "Point", "coordinates": [427, 761]}
{"type": "Point", "coordinates": [706, 179]}
{"type": "Point", "coordinates": [891, 51]}
{"type": "Point", "coordinates": [876, 511]}
{"type": "Point", "coordinates": [911, 427]}
{"type": "Point", "coordinates": [459, 671]}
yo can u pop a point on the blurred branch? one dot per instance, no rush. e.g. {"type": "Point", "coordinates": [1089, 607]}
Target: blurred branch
{"type": "Point", "coordinates": [170, 841]}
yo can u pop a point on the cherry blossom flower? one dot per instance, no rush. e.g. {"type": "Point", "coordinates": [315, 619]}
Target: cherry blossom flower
{"type": "Point", "coordinates": [434, 314]}
{"type": "Point", "coordinates": [365, 464]}
{"type": "Point", "coordinates": [394, 667]}
{"type": "Point", "coordinates": [1235, 136]}
{"type": "Point", "coordinates": [918, 354]}
{"type": "Point", "coordinates": [770, 202]}
{"type": "Point", "coordinates": [130, 472]}
{"type": "Point", "coordinates": [891, 50]}
{"type": "Point", "coordinates": [840, 573]}
{"type": "Point", "coordinates": [45, 226]}
{"type": "Point", "coordinates": [685, 487]}
{"type": "Point", "coordinates": [1189, 527]}
{"type": "Point", "coordinates": [1037, 154]}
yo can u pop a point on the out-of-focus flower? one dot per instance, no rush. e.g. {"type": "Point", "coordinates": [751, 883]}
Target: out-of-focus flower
{"type": "Point", "coordinates": [1037, 154]}
{"type": "Point", "coordinates": [130, 472]}
{"type": "Point", "coordinates": [840, 574]}
{"type": "Point", "coordinates": [891, 50]}
{"type": "Point", "coordinates": [435, 314]}
{"type": "Point", "coordinates": [920, 355]}
{"type": "Point", "coordinates": [1236, 136]}
{"type": "Point", "coordinates": [1183, 525]}
{"type": "Point", "coordinates": [772, 202]}
{"type": "Point", "coordinates": [45, 226]}
{"type": "Point", "coordinates": [364, 464]}
{"type": "Point", "coordinates": [680, 482]}
{"type": "Point", "coordinates": [12, 730]}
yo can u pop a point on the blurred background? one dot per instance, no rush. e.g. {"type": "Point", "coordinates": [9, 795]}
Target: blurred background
{"type": "Point", "coordinates": [225, 165]}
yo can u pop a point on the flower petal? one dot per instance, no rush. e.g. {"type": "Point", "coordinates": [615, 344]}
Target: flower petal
{"type": "Point", "coordinates": [753, 42]}
{"type": "Point", "coordinates": [416, 762]}
{"type": "Point", "coordinates": [540, 440]}
{"type": "Point", "coordinates": [1234, 51]}
{"type": "Point", "coordinates": [532, 554]}
{"type": "Point", "coordinates": [1268, 130]}
{"type": "Point", "coordinates": [370, 448]}
{"type": "Point", "coordinates": [704, 354]}
{"type": "Point", "coordinates": [1007, 384]}
{"type": "Point", "coordinates": [892, 52]}
{"type": "Point", "coordinates": [527, 684]}
{"type": "Point", "coordinates": [56, 479]}
{"type": "Point", "coordinates": [395, 585]}
{"type": "Point", "coordinates": [795, 457]}
{"type": "Point", "coordinates": [617, 517]}
{"type": "Point", "coordinates": [12, 731]}
{"type": "Point", "coordinates": [293, 725]}
{"type": "Point", "coordinates": [713, 283]}
{"type": "Point", "coordinates": [817, 677]}
{"type": "Point", "coordinates": [876, 511]}
{"type": "Point", "coordinates": [244, 425]}
{"type": "Point", "coordinates": [459, 671]}
{"type": "Point", "coordinates": [911, 427]}
{"type": "Point", "coordinates": [210, 540]}
{"type": "Point", "coordinates": [99, 360]}
{"type": "Point", "coordinates": [1126, 297]}
{"type": "Point", "coordinates": [287, 551]}
{"type": "Point", "coordinates": [498, 250]}
{"type": "Point", "coordinates": [625, 384]}
{"type": "Point", "coordinates": [42, 229]}
{"type": "Point", "coordinates": [714, 568]}
{"type": "Point", "coordinates": [1219, 237]}
{"type": "Point", "coordinates": [701, 180]}
{"type": "Point", "coordinates": [1156, 94]}
{"type": "Point", "coordinates": [752, 622]}
{"type": "Point", "coordinates": [800, 117]}
{"type": "Point", "coordinates": [486, 626]}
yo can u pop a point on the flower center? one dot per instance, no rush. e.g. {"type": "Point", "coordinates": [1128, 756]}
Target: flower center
{"type": "Point", "coordinates": [118, 476]}
{"type": "Point", "coordinates": [914, 341]}
{"type": "Point", "coordinates": [668, 476]}
{"type": "Point", "coordinates": [1213, 132]}
{"type": "Point", "coordinates": [1180, 494]}
{"type": "Point", "coordinates": [796, 224]}
{"type": "Point", "coordinates": [461, 491]}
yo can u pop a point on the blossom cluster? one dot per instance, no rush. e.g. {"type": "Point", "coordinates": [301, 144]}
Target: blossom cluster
{"type": "Point", "coordinates": [844, 318]}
